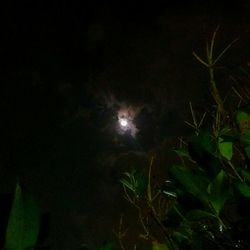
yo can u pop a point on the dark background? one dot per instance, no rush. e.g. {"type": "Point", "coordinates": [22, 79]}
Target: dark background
{"type": "Point", "coordinates": [61, 62]}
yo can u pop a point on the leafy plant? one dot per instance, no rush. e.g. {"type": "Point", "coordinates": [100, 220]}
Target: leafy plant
{"type": "Point", "coordinates": [201, 198]}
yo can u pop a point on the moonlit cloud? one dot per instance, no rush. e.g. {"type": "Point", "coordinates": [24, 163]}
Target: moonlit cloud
{"type": "Point", "coordinates": [126, 116]}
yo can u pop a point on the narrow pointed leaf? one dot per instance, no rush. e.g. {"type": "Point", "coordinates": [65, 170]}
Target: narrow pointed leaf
{"type": "Point", "coordinates": [197, 214]}
{"type": "Point", "coordinates": [218, 191]}
{"type": "Point", "coordinates": [23, 224]}
{"type": "Point", "coordinates": [183, 152]}
{"type": "Point", "coordinates": [192, 182]}
{"type": "Point", "coordinates": [246, 175]}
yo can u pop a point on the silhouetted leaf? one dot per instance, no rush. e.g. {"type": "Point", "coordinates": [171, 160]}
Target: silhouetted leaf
{"type": "Point", "coordinates": [246, 174]}
{"type": "Point", "coordinates": [244, 189]}
{"type": "Point", "coordinates": [204, 142]}
{"type": "Point", "coordinates": [183, 152]}
{"type": "Point", "coordinates": [108, 246]}
{"type": "Point", "coordinates": [202, 150]}
{"type": "Point", "coordinates": [245, 138]}
{"type": "Point", "coordinates": [219, 191]}
{"type": "Point", "coordinates": [198, 214]}
{"type": "Point", "coordinates": [180, 237]}
{"type": "Point", "coordinates": [193, 183]}
{"type": "Point", "coordinates": [247, 150]}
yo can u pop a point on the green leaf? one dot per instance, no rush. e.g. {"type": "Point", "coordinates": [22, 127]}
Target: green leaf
{"type": "Point", "coordinates": [198, 214]}
{"type": "Point", "coordinates": [182, 152]}
{"type": "Point", "coordinates": [23, 224]}
{"type": "Point", "coordinates": [218, 191]}
{"type": "Point", "coordinates": [158, 246]}
{"type": "Point", "coordinates": [204, 142]}
{"type": "Point", "coordinates": [246, 174]}
{"type": "Point", "coordinates": [244, 189]}
{"type": "Point", "coordinates": [180, 237]}
{"type": "Point", "coordinates": [242, 116]}
{"type": "Point", "coordinates": [183, 234]}
{"type": "Point", "coordinates": [225, 148]}
{"type": "Point", "coordinates": [135, 182]}
{"type": "Point", "coordinates": [243, 120]}
{"type": "Point", "coordinates": [141, 183]}
{"type": "Point", "coordinates": [225, 131]}
{"type": "Point", "coordinates": [193, 183]}
{"type": "Point", "coordinates": [128, 185]}
{"type": "Point", "coordinates": [108, 246]}
{"type": "Point", "coordinates": [247, 150]}
{"type": "Point", "coordinates": [245, 138]}
{"type": "Point", "coordinates": [203, 151]}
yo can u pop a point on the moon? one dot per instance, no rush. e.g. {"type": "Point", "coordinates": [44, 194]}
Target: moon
{"type": "Point", "coordinates": [123, 122]}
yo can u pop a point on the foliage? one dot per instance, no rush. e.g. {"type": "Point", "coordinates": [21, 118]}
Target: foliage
{"type": "Point", "coordinates": [108, 246]}
{"type": "Point", "coordinates": [23, 225]}
{"type": "Point", "coordinates": [198, 206]}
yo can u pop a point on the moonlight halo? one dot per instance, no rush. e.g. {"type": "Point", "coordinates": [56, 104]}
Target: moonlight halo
{"type": "Point", "coordinates": [125, 120]}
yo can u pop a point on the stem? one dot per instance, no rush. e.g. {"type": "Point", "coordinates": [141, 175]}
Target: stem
{"type": "Point", "coordinates": [221, 222]}
{"type": "Point", "coordinates": [149, 180]}
{"type": "Point", "coordinates": [179, 213]}
{"type": "Point", "coordinates": [214, 90]}
{"type": "Point", "coordinates": [143, 224]}
{"type": "Point", "coordinates": [235, 171]}
{"type": "Point", "coordinates": [216, 215]}
{"type": "Point", "coordinates": [163, 229]}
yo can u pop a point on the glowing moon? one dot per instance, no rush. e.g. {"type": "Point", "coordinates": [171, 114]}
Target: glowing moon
{"type": "Point", "coordinates": [123, 122]}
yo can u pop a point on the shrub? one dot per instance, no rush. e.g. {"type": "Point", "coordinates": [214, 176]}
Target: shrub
{"type": "Point", "coordinates": [204, 201]}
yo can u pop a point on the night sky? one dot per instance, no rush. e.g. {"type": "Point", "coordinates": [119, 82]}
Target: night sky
{"type": "Point", "coordinates": [66, 67]}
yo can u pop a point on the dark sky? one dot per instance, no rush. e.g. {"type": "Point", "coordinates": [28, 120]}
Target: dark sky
{"type": "Point", "coordinates": [61, 61]}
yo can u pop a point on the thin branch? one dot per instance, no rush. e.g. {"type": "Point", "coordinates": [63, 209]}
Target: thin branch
{"type": "Point", "coordinates": [191, 125]}
{"type": "Point", "coordinates": [225, 50]}
{"type": "Point", "coordinates": [149, 180]}
{"type": "Point", "coordinates": [200, 60]}
{"type": "Point", "coordinates": [212, 42]}
{"type": "Point", "coordinates": [193, 114]}
{"type": "Point", "coordinates": [202, 119]}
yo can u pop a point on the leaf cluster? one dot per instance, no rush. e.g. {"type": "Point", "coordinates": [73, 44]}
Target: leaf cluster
{"type": "Point", "coordinates": [201, 199]}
